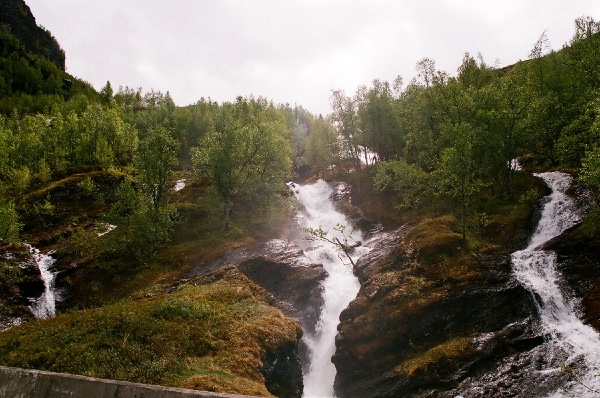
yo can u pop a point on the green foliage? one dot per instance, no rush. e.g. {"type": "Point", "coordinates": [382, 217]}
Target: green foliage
{"type": "Point", "coordinates": [44, 174]}
{"type": "Point", "coordinates": [81, 244]}
{"type": "Point", "coordinates": [457, 175]}
{"type": "Point", "coordinates": [321, 146]}
{"type": "Point", "coordinates": [87, 186]}
{"type": "Point", "coordinates": [454, 139]}
{"type": "Point", "coordinates": [411, 183]}
{"type": "Point", "coordinates": [247, 159]}
{"type": "Point", "coordinates": [154, 163]}
{"type": "Point", "coordinates": [590, 170]}
{"type": "Point", "coordinates": [20, 181]}
{"type": "Point", "coordinates": [143, 217]}
{"type": "Point", "coordinates": [530, 197]}
{"type": "Point", "coordinates": [44, 208]}
{"type": "Point", "coordinates": [104, 139]}
{"type": "Point", "coordinates": [30, 83]}
{"type": "Point", "coordinates": [342, 244]}
{"type": "Point", "coordinates": [141, 227]}
{"type": "Point", "coordinates": [379, 124]}
{"type": "Point", "coordinates": [345, 121]}
{"type": "Point", "coordinates": [10, 274]}
{"type": "Point", "coordinates": [9, 222]}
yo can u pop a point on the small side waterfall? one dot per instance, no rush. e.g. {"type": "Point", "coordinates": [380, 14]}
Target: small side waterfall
{"type": "Point", "coordinates": [339, 288]}
{"type": "Point", "coordinates": [572, 343]}
{"type": "Point", "coordinates": [44, 306]}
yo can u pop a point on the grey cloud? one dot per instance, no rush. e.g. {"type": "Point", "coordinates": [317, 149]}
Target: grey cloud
{"type": "Point", "coordinates": [290, 51]}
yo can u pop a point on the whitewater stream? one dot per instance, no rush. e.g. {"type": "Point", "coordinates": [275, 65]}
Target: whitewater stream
{"type": "Point", "coordinates": [44, 306]}
{"type": "Point", "coordinates": [339, 288]}
{"type": "Point", "coordinates": [571, 342]}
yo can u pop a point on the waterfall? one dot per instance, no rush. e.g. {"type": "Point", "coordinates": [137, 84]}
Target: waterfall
{"type": "Point", "coordinates": [44, 306]}
{"type": "Point", "coordinates": [573, 343]}
{"type": "Point", "coordinates": [339, 288]}
{"type": "Point", "coordinates": [179, 185]}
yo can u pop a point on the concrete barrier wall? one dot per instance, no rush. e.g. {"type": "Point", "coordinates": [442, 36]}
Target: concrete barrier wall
{"type": "Point", "coordinates": [22, 383]}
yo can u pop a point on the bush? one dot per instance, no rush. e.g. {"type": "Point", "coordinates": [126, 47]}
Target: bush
{"type": "Point", "coordinates": [86, 186]}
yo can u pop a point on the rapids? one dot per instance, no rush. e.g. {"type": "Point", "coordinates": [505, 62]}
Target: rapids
{"type": "Point", "coordinates": [45, 305]}
{"type": "Point", "coordinates": [574, 346]}
{"type": "Point", "coordinates": [338, 289]}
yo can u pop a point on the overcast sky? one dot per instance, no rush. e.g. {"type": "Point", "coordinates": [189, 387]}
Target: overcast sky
{"type": "Point", "coordinates": [291, 51]}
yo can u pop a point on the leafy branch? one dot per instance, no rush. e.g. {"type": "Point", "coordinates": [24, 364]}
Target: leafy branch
{"type": "Point", "coordinates": [571, 373]}
{"type": "Point", "coordinates": [344, 245]}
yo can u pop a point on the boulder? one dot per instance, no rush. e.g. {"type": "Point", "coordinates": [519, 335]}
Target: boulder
{"type": "Point", "coordinates": [282, 269]}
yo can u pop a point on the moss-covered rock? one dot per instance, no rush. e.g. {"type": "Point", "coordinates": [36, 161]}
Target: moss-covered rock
{"type": "Point", "coordinates": [215, 337]}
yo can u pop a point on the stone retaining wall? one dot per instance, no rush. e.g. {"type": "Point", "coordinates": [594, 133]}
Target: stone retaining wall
{"type": "Point", "coordinates": [22, 383]}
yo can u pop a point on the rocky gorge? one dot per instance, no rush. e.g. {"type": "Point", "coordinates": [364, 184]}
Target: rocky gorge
{"type": "Point", "coordinates": [430, 318]}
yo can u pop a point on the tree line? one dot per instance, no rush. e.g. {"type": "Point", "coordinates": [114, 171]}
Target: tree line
{"type": "Point", "coordinates": [243, 149]}
{"type": "Point", "coordinates": [440, 136]}
{"type": "Point", "coordinates": [456, 137]}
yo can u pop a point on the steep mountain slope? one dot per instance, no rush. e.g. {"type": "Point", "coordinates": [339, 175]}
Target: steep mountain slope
{"type": "Point", "coordinates": [17, 19]}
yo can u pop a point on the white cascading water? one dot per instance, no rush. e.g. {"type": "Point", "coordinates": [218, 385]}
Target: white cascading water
{"type": "Point", "coordinates": [536, 269]}
{"type": "Point", "coordinates": [45, 305]}
{"type": "Point", "coordinates": [339, 288]}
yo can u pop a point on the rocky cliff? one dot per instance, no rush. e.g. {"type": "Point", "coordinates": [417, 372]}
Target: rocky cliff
{"type": "Point", "coordinates": [281, 269]}
{"type": "Point", "coordinates": [17, 19]}
{"type": "Point", "coordinates": [578, 260]}
{"type": "Point", "coordinates": [417, 327]}
{"type": "Point", "coordinates": [294, 283]}
{"type": "Point", "coordinates": [20, 284]}
{"type": "Point", "coordinates": [435, 319]}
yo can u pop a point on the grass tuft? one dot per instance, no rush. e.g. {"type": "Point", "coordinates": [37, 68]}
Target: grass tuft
{"type": "Point", "coordinates": [445, 354]}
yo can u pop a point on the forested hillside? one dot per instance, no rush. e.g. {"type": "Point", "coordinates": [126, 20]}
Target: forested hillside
{"type": "Point", "coordinates": [90, 176]}
{"type": "Point", "coordinates": [456, 136]}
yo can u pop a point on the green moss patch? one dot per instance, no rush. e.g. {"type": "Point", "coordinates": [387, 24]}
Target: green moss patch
{"type": "Point", "coordinates": [435, 238]}
{"type": "Point", "coordinates": [210, 337]}
{"type": "Point", "coordinates": [445, 354]}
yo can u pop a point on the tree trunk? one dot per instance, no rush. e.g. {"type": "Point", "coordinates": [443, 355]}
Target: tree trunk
{"type": "Point", "coordinates": [226, 214]}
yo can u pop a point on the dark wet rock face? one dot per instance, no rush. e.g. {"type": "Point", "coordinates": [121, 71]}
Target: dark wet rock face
{"type": "Point", "coordinates": [433, 327]}
{"type": "Point", "coordinates": [342, 199]}
{"type": "Point", "coordinates": [409, 331]}
{"type": "Point", "coordinates": [518, 375]}
{"type": "Point", "coordinates": [20, 284]}
{"type": "Point", "coordinates": [579, 260]}
{"type": "Point", "coordinates": [283, 372]}
{"type": "Point", "coordinates": [579, 263]}
{"type": "Point", "coordinates": [385, 254]}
